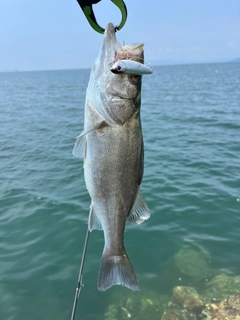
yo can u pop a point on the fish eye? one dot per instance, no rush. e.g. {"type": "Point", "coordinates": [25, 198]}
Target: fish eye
{"type": "Point", "coordinates": [134, 78]}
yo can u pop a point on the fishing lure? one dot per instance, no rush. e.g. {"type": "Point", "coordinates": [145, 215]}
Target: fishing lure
{"type": "Point", "coordinates": [130, 67]}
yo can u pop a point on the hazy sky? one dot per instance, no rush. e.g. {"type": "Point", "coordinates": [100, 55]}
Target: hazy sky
{"type": "Point", "coordinates": [54, 34]}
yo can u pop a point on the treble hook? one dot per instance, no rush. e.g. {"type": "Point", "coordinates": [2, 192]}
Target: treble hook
{"type": "Point", "coordinates": [86, 6]}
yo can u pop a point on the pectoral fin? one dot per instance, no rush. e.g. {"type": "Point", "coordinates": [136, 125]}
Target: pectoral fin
{"type": "Point", "coordinates": [78, 150]}
{"type": "Point", "coordinates": [140, 211]}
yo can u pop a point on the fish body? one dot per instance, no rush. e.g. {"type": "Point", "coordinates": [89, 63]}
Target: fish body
{"type": "Point", "coordinates": [113, 158]}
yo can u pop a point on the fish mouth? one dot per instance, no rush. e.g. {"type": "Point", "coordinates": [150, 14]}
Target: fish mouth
{"type": "Point", "coordinates": [110, 32]}
{"type": "Point", "coordinates": [112, 50]}
{"type": "Point", "coordinates": [110, 45]}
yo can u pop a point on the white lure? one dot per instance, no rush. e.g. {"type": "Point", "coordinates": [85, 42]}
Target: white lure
{"type": "Point", "coordinates": [130, 67]}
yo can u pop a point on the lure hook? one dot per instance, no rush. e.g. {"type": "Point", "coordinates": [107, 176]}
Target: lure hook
{"type": "Point", "coordinates": [86, 6]}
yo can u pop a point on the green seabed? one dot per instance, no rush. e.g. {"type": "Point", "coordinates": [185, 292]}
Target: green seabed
{"type": "Point", "coordinates": [202, 293]}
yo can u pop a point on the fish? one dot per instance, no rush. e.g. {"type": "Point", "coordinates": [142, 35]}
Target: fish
{"type": "Point", "coordinates": [111, 144]}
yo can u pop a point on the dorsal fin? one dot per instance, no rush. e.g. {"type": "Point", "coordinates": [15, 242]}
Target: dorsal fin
{"type": "Point", "coordinates": [140, 211]}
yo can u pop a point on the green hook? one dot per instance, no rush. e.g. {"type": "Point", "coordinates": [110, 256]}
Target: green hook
{"type": "Point", "coordinates": [86, 6]}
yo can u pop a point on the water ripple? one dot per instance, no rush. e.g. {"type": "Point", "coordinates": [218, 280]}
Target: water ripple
{"type": "Point", "coordinates": [191, 124]}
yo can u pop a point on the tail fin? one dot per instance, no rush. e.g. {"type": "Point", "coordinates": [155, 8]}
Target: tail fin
{"type": "Point", "coordinates": [116, 270]}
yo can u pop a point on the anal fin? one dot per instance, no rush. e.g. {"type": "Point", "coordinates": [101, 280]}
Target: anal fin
{"type": "Point", "coordinates": [93, 221]}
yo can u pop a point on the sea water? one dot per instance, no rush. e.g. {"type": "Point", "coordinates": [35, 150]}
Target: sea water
{"type": "Point", "coordinates": [191, 126]}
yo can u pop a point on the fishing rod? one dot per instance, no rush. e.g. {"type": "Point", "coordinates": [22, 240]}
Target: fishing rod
{"type": "Point", "coordinates": [79, 282]}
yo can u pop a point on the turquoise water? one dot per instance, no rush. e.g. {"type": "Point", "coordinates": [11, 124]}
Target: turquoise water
{"type": "Point", "coordinates": [191, 127]}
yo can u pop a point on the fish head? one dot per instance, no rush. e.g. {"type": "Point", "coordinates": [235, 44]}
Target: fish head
{"type": "Point", "coordinates": [117, 96]}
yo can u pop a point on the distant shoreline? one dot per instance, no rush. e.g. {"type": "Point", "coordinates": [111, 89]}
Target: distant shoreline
{"type": "Point", "coordinates": [154, 63]}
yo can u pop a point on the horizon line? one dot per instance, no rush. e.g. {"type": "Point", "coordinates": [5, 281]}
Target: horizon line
{"type": "Point", "coordinates": [155, 63]}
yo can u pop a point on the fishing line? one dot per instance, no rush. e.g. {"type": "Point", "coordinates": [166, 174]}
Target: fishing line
{"type": "Point", "coordinates": [79, 282]}
{"type": "Point", "coordinates": [49, 137]}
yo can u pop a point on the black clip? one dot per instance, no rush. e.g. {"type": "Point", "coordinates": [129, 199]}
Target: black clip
{"type": "Point", "coordinates": [86, 6]}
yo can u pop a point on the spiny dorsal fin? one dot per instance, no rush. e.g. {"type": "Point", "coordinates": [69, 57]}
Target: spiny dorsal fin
{"type": "Point", "coordinates": [140, 211]}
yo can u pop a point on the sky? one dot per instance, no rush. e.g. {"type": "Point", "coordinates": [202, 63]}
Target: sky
{"type": "Point", "coordinates": [54, 34]}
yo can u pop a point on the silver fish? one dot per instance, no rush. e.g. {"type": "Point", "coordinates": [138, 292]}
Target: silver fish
{"type": "Point", "coordinates": [112, 146]}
